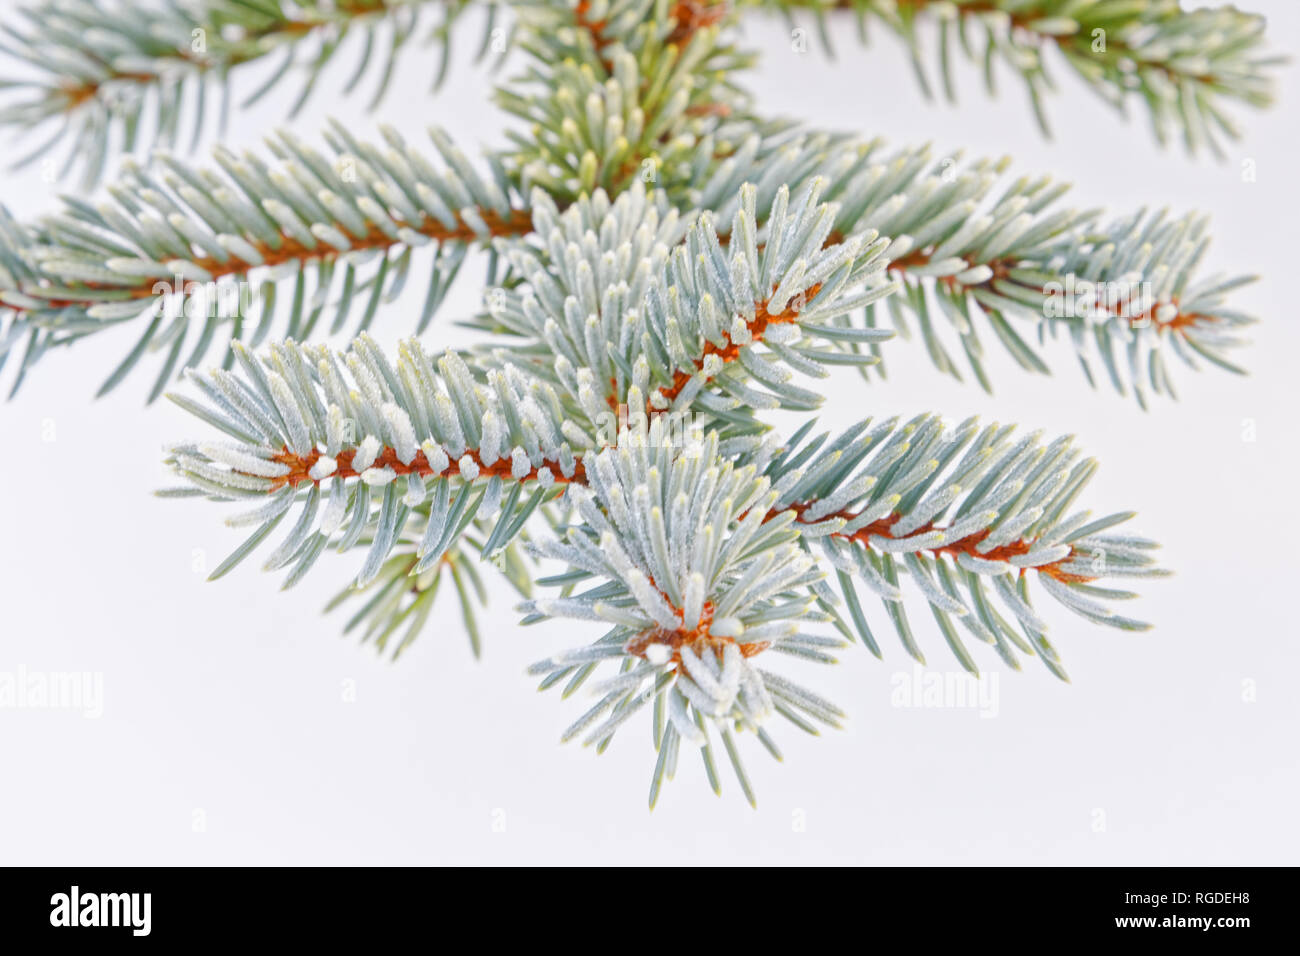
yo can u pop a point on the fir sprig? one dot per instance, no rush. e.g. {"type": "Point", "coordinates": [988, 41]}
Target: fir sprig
{"type": "Point", "coordinates": [303, 424]}
{"type": "Point", "coordinates": [101, 75]}
{"type": "Point", "coordinates": [364, 449]}
{"type": "Point", "coordinates": [965, 513]}
{"type": "Point", "coordinates": [612, 96]}
{"type": "Point", "coordinates": [309, 238]}
{"type": "Point", "coordinates": [986, 258]}
{"type": "Point", "coordinates": [353, 441]}
{"type": "Point", "coordinates": [665, 268]}
{"type": "Point", "coordinates": [676, 554]}
{"type": "Point", "coordinates": [607, 309]}
{"type": "Point", "coordinates": [1183, 66]}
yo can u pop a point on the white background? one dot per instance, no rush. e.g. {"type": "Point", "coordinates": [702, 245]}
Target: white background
{"type": "Point", "coordinates": [225, 701]}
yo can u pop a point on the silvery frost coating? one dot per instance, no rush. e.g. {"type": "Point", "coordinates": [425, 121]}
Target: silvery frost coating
{"type": "Point", "coordinates": [613, 314]}
{"type": "Point", "coordinates": [318, 236]}
{"type": "Point", "coordinates": [309, 238]}
{"type": "Point", "coordinates": [617, 93]}
{"type": "Point", "coordinates": [1183, 66]}
{"type": "Point", "coordinates": [340, 433]}
{"type": "Point", "coordinates": [621, 311]}
{"type": "Point", "coordinates": [93, 72]}
{"type": "Point", "coordinates": [677, 551]}
{"type": "Point", "coordinates": [969, 514]}
{"type": "Point", "coordinates": [985, 258]}
{"type": "Point", "coordinates": [363, 447]}
{"type": "Point", "coordinates": [666, 267]}
{"type": "Point", "coordinates": [95, 63]}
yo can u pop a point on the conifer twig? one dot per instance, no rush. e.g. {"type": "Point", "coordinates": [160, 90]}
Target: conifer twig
{"type": "Point", "coordinates": [665, 268]}
{"type": "Point", "coordinates": [95, 67]}
{"type": "Point", "coordinates": [202, 252]}
{"type": "Point", "coordinates": [1183, 65]}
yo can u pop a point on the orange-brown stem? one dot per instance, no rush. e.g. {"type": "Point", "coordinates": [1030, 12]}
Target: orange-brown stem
{"type": "Point", "coordinates": [1021, 20]}
{"type": "Point", "coordinates": [883, 527]}
{"type": "Point", "coordinates": [692, 15]}
{"type": "Point", "coordinates": [729, 352]}
{"type": "Point", "coordinates": [300, 467]}
{"type": "Point", "coordinates": [518, 223]}
{"type": "Point", "coordinates": [689, 14]}
{"type": "Point", "coordinates": [698, 639]}
{"type": "Point", "coordinates": [78, 93]}
{"type": "Point", "coordinates": [1002, 267]}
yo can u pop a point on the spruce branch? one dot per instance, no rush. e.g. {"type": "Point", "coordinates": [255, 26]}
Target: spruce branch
{"type": "Point", "coordinates": [876, 500]}
{"type": "Point", "coordinates": [975, 249]}
{"type": "Point", "coordinates": [966, 513]}
{"type": "Point", "coordinates": [699, 564]}
{"type": "Point", "coordinates": [967, 510]}
{"type": "Point", "coordinates": [1184, 66]}
{"type": "Point", "coordinates": [664, 264]}
{"type": "Point", "coordinates": [608, 314]}
{"type": "Point", "coordinates": [613, 95]}
{"type": "Point", "coordinates": [695, 583]}
{"type": "Point", "coordinates": [336, 433]}
{"type": "Point", "coordinates": [1125, 294]}
{"type": "Point", "coordinates": [99, 74]}
{"type": "Point", "coordinates": [204, 252]}
{"type": "Point", "coordinates": [403, 423]}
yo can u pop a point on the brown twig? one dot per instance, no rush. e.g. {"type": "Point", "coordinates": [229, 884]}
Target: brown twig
{"type": "Point", "coordinates": [300, 467]}
{"type": "Point", "coordinates": [1002, 267]}
{"type": "Point", "coordinates": [518, 223]}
